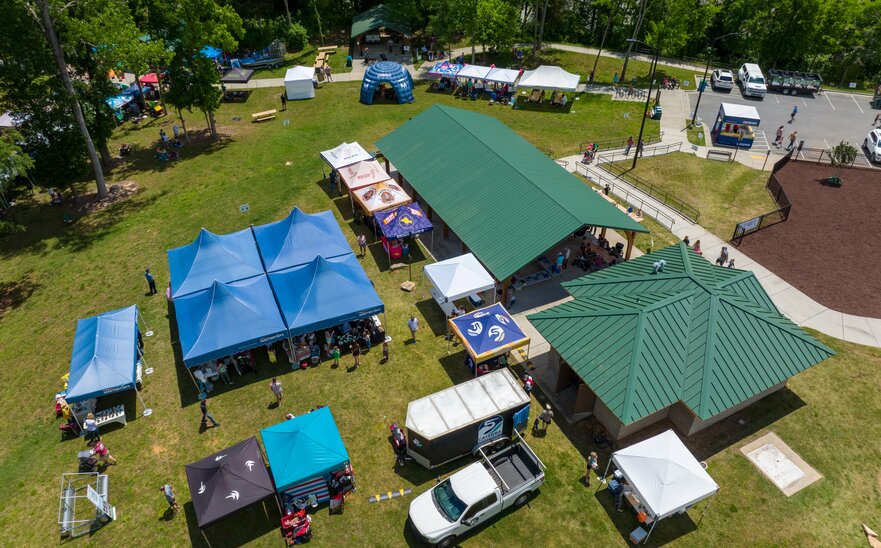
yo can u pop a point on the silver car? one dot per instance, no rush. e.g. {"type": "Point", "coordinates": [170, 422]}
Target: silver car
{"type": "Point", "coordinates": [872, 144]}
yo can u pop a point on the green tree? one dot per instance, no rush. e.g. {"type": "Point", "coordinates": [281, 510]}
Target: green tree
{"type": "Point", "coordinates": [14, 163]}
{"type": "Point", "coordinates": [496, 24]}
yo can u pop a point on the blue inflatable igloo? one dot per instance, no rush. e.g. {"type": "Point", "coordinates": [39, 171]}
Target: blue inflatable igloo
{"type": "Point", "coordinates": [393, 74]}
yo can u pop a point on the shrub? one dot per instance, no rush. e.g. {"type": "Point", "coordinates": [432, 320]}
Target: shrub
{"type": "Point", "coordinates": [295, 37]}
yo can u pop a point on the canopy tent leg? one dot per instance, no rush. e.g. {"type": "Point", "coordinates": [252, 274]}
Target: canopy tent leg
{"type": "Point", "coordinates": [651, 530]}
{"type": "Point", "coordinates": [204, 537]}
{"type": "Point", "coordinates": [190, 371]}
{"type": "Point", "coordinates": [149, 332]}
{"type": "Point", "coordinates": [706, 507]}
{"type": "Point", "coordinates": [603, 232]}
{"type": "Point", "coordinates": [432, 242]}
{"type": "Point", "coordinates": [147, 410]}
{"type": "Point", "coordinates": [605, 475]}
{"type": "Point", "coordinates": [351, 200]}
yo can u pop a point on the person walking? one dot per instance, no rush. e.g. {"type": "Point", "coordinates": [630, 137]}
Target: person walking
{"type": "Point", "coordinates": [384, 352]}
{"type": "Point", "coordinates": [335, 353]}
{"type": "Point", "coordinates": [615, 80]}
{"type": "Point", "coordinates": [362, 244]}
{"type": "Point", "coordinates": [170, 498]}
{"type": "Point", "coordinates": [792, 138]}
{"type": "Point", "coordinates": [723, 256]}
{"type": "Point", "coordinates": [877, 119]}
{"type": "Point", "coordinates": [593, 464]}
{"type": "Point", "coordinates": [547, 416]}
{"type": "Point", "coordinates": [328, 73]}
{"type": "Point", "coordinates": [98, 448]}
{"type": "Point", "coordinates": [356, 353]}
{"type": "Point", "coordinates": [793, 113]}
{"type": "Point", "coordinates": [90, 427]}
{"type": "Point", "coordinates": [206, 415]}
{"type": "Point", "coordinates": [640, 147]}
{"type": "Point", "coordinates": [284, 101]}
{"type": "Point", "coordinates": [413, 325]}
{"type": "Point", "coordinates": [629, 145]}
{"type": "Point", "coordinates": [275, 386]}
{"type": "Point", "coordinates": [778, 139]}
{"type": "Point", "coordinates": [151, 281]}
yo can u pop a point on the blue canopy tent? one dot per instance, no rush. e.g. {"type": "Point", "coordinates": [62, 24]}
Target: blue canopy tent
{"type": "Point", "coordinates": [324, 293]}
{"type": "Point", "coordinates": [303, 452]}
{"type": "Point", "coordinates": [299, 238]}
{"type": "Point", "coordinates": [221, 257]}
{"type": "Point", "coordinates": [118, 101]}
{"type": "Point", "coordinates": [403, 221]}
{"type": "Point", "coordinates": [211, 52]}
{"type": "Point", "coordinates": [105, 355]}
{"type": "Point", "coordinates": [488, 332]}
{"type": "Point", "coordinates": [445, 69]}
{"type": "Point", "coordinates": [227, 318]}
{"type": "Point", "coordinates": [391, 73]}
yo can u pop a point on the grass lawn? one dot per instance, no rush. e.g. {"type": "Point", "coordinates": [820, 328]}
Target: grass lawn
{"type": "Point", "coordinates": [55, 273]}
{"type": "Point", "coordinates": [695, 134]}
{"type": "Point", "coordinates": [306, 58]}
{"type": "Point", "coordinates": [724, 193]}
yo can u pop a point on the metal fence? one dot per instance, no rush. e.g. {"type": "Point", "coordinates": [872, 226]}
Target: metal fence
{"type": "Point", "coordinates": [779, 215]}
{"type": "Point", "coordinates": [617, 155]}
{"type": "Point", "coordinates": [824, 156]}
{"type": "Point", "coordinates": [625, 192]}
{"type": "Point", "coordinates": [611, 144]}
{"type": "Point", "coordinates": [680, 206]}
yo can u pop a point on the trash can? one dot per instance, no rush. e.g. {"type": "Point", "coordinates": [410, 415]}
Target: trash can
{"type": "Point", "coordinates": [348, 60]}
{"type": "Point", "coordinates": [656, 112]}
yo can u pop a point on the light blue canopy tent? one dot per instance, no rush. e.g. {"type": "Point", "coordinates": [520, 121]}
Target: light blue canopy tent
{"type": "Point", "coordinates": [299, 238]}
{"type": "Point", "coordinates": [211, 52]}
{"type": "Point", "coordinates": [118, 101]}
{"type": "Point", "coordinates": [105, 355]}
{"type": "Point", "coordinates": [391, 73]}
{"type": "Point", "coordinates": [324, 293]}
{"type": "Point", "coordinates": [227, 318]}
{"type": "Point", "coordinates": [210, 257]}
{"type": "Point", "coordinates": [304, 448]}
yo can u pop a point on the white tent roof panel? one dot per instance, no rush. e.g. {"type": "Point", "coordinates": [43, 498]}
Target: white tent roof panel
{"type": "Point", "coordinates": [549, 77]}
{"type": "Point", "coordinates": [345, 155]}
{"type": "Point", "coordinates": [459, 277]}
{"type": "Point", "coordinates": [473, 71]}
{"type": "Point", "coordinates": [741, 111]}
{"type": "Point", "coordinates": [502, 76]}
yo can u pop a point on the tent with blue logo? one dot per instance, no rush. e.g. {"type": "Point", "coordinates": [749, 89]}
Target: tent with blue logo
{"type": "Point", "coordinates": [299, 238]}
{"type": "Point", "coordinates": [210, 257]}
{"type": "Point", "coordinates": [105, 355]}
{"type": "Point", "coordinates": [403, 221]}
{"type": "Point", "coordinates": [304, 451]}
{"type": "Point", "coordinates": [445, 69]}
{"type": "Point", "coordinates": [227, 318]}
{"type": "Point", "coordinates": [324, 293]}
{"type": "Point", "coordinates": [488, 332]}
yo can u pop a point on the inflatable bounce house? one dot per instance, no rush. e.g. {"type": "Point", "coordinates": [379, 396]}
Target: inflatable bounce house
{"type": "Point", "coordinates": [394, 76]}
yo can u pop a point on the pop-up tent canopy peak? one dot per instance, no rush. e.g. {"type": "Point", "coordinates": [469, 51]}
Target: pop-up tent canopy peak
{"type": "Point", "coordinates": [299, 238]}
{"type": "Point", "coordinates": [105, 355]}
{"type": "Point", "coordinates": [324, 293]}
{"type": "Point", "coordinates": [549, 77]}
{"type": "Point", "coordinates": [228, 481]}
{"type": "Point", "coordinates": [363, 174]}
{"type": "Point", "coordinates": [445, 69]}
{"type": "Point", "coordinates": [227, 318]}
{"type": "Point", "coordinates": [345, 154]}
{"type": "Point", "coordinates": [304, 448]}
{"type": "Point", "coordinates": [298, 83]}
{"type": "Point", "coordinates": [502, 76]}
{"type": "Point", "coordinates": [488, 332]}
{"type": "Point", "coordinates": [211, 52]}
{"type": "Point", "coordinates": [381, 196]}
{"type": "Point", "coordinates": [403, 221]}
{"type": "Point", "coordinates": [459, 277]}
{"type": "Point", "coordinates": [210, 257]}
{"type": "Point", "coordinates": [475, 72]}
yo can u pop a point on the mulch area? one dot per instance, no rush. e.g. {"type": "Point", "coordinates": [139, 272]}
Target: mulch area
{"type": "Point", "coordinates": [830, 247]}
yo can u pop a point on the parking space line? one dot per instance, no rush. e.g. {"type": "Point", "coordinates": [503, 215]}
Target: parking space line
{"type": "Point", "coordinates": [765, 138]}
{"type": "Point", "coordinates": [806, 103]}
{"type": "Point", "coordinates": [828, 99]}
{"type": "Point", "coordinates": [857, 104]}
{"type": "Point", "coordinates": [827, 143]}
{"type": "Point", "coordinates": [776, 99]}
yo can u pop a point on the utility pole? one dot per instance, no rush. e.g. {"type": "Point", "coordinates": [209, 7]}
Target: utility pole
{"type": "Point", "coordinates": [642, 7]}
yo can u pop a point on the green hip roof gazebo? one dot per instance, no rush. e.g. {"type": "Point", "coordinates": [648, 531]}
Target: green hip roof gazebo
{"type": "Point", "coordinates": [691, 341]}
{"type": "Point", "coordinates": [505, 199]}
{"type": "Point", "coordinates": [379, 17]}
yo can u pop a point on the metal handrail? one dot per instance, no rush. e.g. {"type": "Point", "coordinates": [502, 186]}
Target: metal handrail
{"type": "Point", "coordinates": [622, 191]}
{"type": "Point", "coordinates": [617, 142]}
{"type": "Point", "coordinates": [681, 206]}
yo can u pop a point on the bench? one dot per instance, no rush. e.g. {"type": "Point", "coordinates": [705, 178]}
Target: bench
{"type": "Point", "coordinates": [112, 414]}
{"type": "Point", "coordinates": [263, 116]}
{"type": "Point", "coordinates": [327, 49]}
{"type": "Point", "coordinates": [714, 154]}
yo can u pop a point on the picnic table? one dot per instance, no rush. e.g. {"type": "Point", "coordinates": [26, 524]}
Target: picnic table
{"type": "Point", "coordinates": [263, 116]}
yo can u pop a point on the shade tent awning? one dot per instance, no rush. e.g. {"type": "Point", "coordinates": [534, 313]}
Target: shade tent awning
{"type": "Point", "coordinates": [445, 69]}
{"type": "Point", "coordinates": [118, 101]}
{"type": "Point", "coordinates": [228, 481]}
{"type": "Point", "coordinates": [304, 448]}
{"type": "Point", "coordinates": [459, 277]}
{"type": "Point", "coordinates": [210, 257]}
{"type": "Point", "coordinates": [151, 78]}
{"type": "Point", "coordinates": [549, 77]}
{"type": "Point", "coordinates": [324, 293]}
{"type": "Point", "coordinates": [403, 221]}
{"type": "Point", "coordinates": [488, 332]}
{"type": "Point", "coordinates": [381, 196]}
{"type": "Point", "coordinates": [502, 76]}
{"type": "Point", "coordinates": [665, 475]}
{"type": "Point", "coordinates": [476, 72]}
{"type": "Point", "coordinates": [299, 238]}
{"type": "Point", "coordinates": [211, 52]}
{"type": "Point", "coordinates": [361, 174]}
{"type": "Point", "coordinates": [237, 76]}
{"type": "Point", "coordinates": [227, 318]}
{"type": "Point", "coordinates": [105, 355]}
{"type": "Point", "coordinates": [345, 155]}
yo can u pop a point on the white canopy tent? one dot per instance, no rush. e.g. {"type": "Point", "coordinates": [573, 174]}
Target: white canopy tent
{"type": "Point", "coordinates": [502, 76]}
{"type": "Point", "coordinates": [345, 155]}
{"type": "Point", "coordinates": [549, 77]}
{"type": "Point", "coordinates": [457, 278]}
{"type": "Point", "coordinates": [664, 475]}
{"type": "Point", "coordinates": [476, 72]}
{"type": "Point", "coordinates": [298, 83]}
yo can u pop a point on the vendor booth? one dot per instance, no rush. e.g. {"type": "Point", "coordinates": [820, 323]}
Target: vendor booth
{"type": "Point", "coordinates": [308, 460]}
{"type": "Point", "coordinates": [345, 155]}
{"type": "Point", "coordinates": [299, 238]}
{"type": "Point", "coordinates": [359, 175]}
{"type": "Point", "coordinates": [150, 79]}
{"type": "Point", "coordinates": [396, 76]}
{"type": "Point", "coordinates": [298, 83]}
{"type": "Point", "coordinates": [475, 72]}
{"type": "Point", "coordinates": [228, 481]}
{"type": "Point", "coordinates": [213, 257]}
{"type": "Point", "coordinates": [502, 76]}
{"type": "Point", "coordinates": [488, 334]}
{"type": "Point", "coordinates": [212, 53]}
{"type": "Point", "coordinates": [106, 359]}
{"type": "Point", "coordinates": [381, 196]}
{"type": "Point", "coordinates": [735, 126]}
{"type": "Point", "coordinates": [401, 223]}
{"type": "Point", "coordinates": [445, 69]}
{"type": "Point", "coordinates": [237, 76]}
{"type": "Point", "coordinates": [549, 78]}
{"type": "Point", "coordinates": [458, 278]}
{"type": "Point", "coordinates": [660, 478]}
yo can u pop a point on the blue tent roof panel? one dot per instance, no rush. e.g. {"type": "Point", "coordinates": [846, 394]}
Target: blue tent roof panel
{"type": "Point", "coordinates": [299, 238]}
{"type": "Point", "coordinates": [104, 358]}
{"type": "Point", "coordinates": [210, 257]}
{"type": "Point", "coordinates": [488, 332]}
{"type": "Point", "coordinates": [403, 221]}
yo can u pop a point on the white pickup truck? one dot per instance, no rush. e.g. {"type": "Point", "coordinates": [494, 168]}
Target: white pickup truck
{"type": "Point", "coordinates": [476, 494]}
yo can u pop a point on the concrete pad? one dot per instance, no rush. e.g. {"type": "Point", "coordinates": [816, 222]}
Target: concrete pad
{"type": "Point", "coordinates": [875, 326]}
{"type": "Point", "coordinates": [757, 269]}
{"type": "Point", "coordinates": [830, 322]}
{"type": "Point", "coordinates": [797, 306]}
{"type": "Point", "coordinates": [693, 231]}
{"type": "Point", "coordinates": [779, 463]}
{"type": "Point", "coordinates": [774, 284]}
{"type": "Point", "coordinates": [857, 330]}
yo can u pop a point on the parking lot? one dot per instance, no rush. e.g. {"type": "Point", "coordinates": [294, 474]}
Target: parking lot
{"type": "Point", "coordinates": [823, 120]}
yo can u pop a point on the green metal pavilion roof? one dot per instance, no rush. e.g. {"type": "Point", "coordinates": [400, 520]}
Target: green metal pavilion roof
{"type": "Point", "coordinates": [377, 17]}
{"type": "Point", "coordinates": [697, 333]}
{"type": "Point", "coordinates": [503, 197]}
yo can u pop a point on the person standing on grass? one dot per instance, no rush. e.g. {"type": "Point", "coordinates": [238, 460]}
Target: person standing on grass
{"type": "Point", "coordinates": [90, 426]}
{"type": "Point", "coordinates": [547, 416]}
{"type": "Point", "coordinates": [206, 416]}
{"type": "Point", "coordinates": [170, 498]}
{"type": "Point", "coordinates": [615, 80]}
{"type": "Point", "coordinates": [362, 244]}
{"type": "Point", "coordinates": [103, 453]}
{"type": "Point", "coordinates": [778, 138]}
{"type": "Point", "coordinates": [284, 101]}
{"type": "Point", "coordinates": [593, 464]}
{"type": "Point", "coordinates": [629, 145]}
{"type": "Point", "coordinates": [223, 372]}
{"type": "Point", "coordinates": [384, 352]}
{"type": "Point", "coordinates": [275, 386]}
{"type": "Point", "coordinates": [356, 353]}
{"type": "Point", "coordinates": [413, 326]}
{"type": "Point", "coordinates": [151, 281]}
{"type": "Point", "coordinates": [328, 73]}
{"type": "Point", "coordinates": [335, 353]}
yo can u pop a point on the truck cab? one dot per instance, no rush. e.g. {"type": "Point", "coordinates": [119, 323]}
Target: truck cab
{"type": "Point", "coordinates": [476, 494]}
{"type": "Point", "coordinates": [751, 80]}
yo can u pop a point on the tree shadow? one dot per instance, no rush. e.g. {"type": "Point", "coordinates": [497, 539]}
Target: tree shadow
{"type": "Point", "coordinates": [239, 529]}
{"type": "Point", "coordinates": [143, 159]}
{"type": "Point", "coordinates": [14, 293]}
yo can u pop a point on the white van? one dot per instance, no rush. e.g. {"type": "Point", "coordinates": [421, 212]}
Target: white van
{"type": "Point", "coordinates": [751, 80]}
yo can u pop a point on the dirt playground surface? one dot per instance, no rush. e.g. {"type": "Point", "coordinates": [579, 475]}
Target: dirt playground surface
{"type": "Point", "coordinates": [830, 247]}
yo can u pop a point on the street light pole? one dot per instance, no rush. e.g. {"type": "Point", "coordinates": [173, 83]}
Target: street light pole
{"type": "Point", "coordinates": [703, 83]}
{"type": "Point", "coordinates": [653, 68]}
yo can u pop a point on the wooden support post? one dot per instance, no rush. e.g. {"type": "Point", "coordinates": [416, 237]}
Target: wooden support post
{"type": "Point", "coordinates": [446, 231]}
{"type": "Point", "coordinates": [428, 211]}
{"type": "Point", "coordinates": [631, 236]}
{"type": "Point", "coordinates": [506, 286]}
{"type": "Point", "coordinates": [387, 166]}
{"type": "Point", "coordinates": [603, 232]}
{"type": "Point", "coordinates": [415, 196]}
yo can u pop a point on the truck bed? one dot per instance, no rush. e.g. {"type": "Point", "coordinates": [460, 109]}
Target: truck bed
{"type": "Point", "coordinates": [516, 466]}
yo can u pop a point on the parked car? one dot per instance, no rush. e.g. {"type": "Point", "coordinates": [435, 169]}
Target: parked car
{"type": "Point", "coordinates": [722, 79]}
{"type": "Point", "coordinates": [476, 494]}
{"type": "Point", "coordinates": [872, 144]}
{"type": "Point", "coordinates": [751, 80]}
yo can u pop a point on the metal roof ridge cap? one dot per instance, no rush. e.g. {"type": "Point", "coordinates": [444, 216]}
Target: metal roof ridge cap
{"type": "Point", "coordinates": [631, 383]}
{"type": "Point", "coordinates": [581, 282]}
{"type": "Point", "coordinates": [586, 313]}
{"type": "Point", "coordinates": [706, 372]}
{"type": "Point", "coordinates": [674, 297]}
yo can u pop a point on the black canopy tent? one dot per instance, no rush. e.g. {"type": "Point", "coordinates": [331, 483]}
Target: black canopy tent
{"type": "Point", "coordinates": [228, 481]}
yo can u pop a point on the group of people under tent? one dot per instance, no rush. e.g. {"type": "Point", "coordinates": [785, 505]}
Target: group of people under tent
{"type": "Point", "coordinates": [331, 342]}
{"type": "Point", "coordinates": [208, 373]}
{"type": "Point", "coordinates": [475, 88]}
